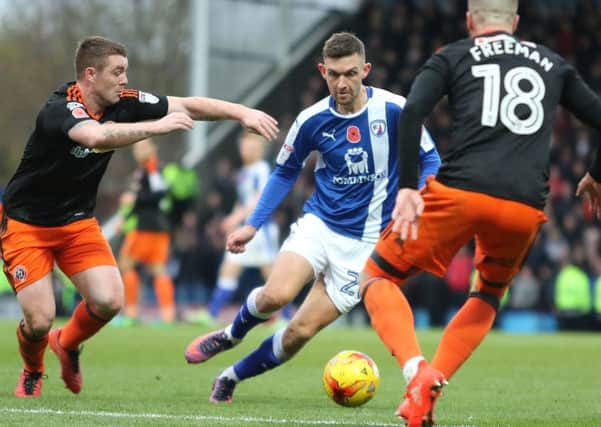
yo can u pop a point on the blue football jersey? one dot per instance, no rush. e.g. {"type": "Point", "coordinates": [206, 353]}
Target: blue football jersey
{"type": "Point", "coordinates": [356, 172]}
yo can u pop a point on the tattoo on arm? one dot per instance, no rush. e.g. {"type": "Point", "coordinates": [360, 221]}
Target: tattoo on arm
{"type": "Point", "coordinates": [125, 136]}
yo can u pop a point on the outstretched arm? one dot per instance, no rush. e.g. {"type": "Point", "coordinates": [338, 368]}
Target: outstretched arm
{"type": "Point", "coordinates": [202, 108]}
{"type": "Point", "coordinates": [108, 136]}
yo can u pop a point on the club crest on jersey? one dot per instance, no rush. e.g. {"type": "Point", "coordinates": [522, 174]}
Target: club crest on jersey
{"type": "Point", "coordinates": [356, 161]}
{"type": "Point", "coordinates": [79, 113]}
{"type": "Point", "coordinates": [353, 134]}
{"type": "Point", "coordinates": [20, 274]}
{"type": "Point", "coordinates": [378, 127]}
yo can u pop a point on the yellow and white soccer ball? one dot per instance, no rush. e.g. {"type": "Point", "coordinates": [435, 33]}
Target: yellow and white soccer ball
{"type": "Point", "coordinates": [351, 378]}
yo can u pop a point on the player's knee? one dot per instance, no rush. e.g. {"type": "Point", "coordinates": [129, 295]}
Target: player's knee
{"type": "Point", "coordinates": [270, 300]}
{"type": "Point", "coordinates": [296, 335]}
{"type": "Point", "coordinates": [126, 264]}
{"type": "Point", "coordinates": [157, 269]}
{"type": "Point", "coordinates": [39, 324]}
{"type": "Point", "coordinates": [108, 305]}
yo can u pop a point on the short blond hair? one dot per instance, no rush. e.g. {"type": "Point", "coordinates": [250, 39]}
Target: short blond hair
{"type": "Point", "coordinates": [493, 11]}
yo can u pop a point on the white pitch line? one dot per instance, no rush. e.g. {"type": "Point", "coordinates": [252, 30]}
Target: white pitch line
{"type": "Point", "coordinates": [215, 418]}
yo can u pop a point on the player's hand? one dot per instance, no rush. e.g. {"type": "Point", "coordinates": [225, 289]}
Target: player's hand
{"type": "Point", "coordinates": [591, 189]}
{"type": "Point", "coordinates": [172, 122]}
{"type": "Point", "coordinates": [260, 122]}
{"type": "Point", "coordinates": [236, 242]}
{"type": "Point", "coordinates": [409, 206]}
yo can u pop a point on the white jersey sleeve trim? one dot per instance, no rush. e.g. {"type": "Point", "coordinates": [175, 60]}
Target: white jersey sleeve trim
{"type": "Point", "coordinates": [289, 143]}
{"type": "Point", "coordinates": [427, 143]}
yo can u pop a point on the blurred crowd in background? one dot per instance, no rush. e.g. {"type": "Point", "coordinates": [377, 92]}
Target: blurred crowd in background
{"type": "Point", "coordinates": [399, 37]}
{"type": "Point", "coordinates": [562, 276]}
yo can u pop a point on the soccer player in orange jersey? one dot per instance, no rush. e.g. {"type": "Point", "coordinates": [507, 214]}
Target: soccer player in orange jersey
{"type": "Point", "coordinates": [148, 243]}
{"type": "Point", "coordinates": [492, 186]}
{"type": "Point", "coordinates": [49, 202]}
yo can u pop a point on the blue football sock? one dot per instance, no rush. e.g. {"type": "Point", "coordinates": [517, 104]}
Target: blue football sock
{"type": "Point", "coordinates": [259, 361]}
{"type": "Point", "coordinates": [288, 311]}
{"type": "Point", "coordinates": [219, 298]}
{"type": "Point", "coordinates": [248, 317]}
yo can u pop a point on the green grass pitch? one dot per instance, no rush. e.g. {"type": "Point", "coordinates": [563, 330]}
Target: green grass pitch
{"type": "Point", "coordinates": [138, 377]}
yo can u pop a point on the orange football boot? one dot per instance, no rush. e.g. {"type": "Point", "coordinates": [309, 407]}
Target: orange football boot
{"type": "Point", "coordinates": [29, 384]}
{"type": "Point", "coordinates": [69, 360]}
{"type": "Point", "coordinates": [422, 392]}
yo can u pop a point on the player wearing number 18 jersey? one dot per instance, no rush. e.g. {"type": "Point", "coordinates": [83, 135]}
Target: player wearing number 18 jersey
{"type": "Point", "coordinates": [492, 186]}
{"type": "Point", "coordinates": [504, 93]}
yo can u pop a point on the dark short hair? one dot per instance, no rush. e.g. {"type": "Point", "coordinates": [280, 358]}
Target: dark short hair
{"type": "Point", "coordinates": [343, 44]}
{"type": "Point", "coordinates": [93, 51]}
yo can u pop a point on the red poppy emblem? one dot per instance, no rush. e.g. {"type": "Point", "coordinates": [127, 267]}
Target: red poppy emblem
{"type": "Point", "coordinates": [353, 135]}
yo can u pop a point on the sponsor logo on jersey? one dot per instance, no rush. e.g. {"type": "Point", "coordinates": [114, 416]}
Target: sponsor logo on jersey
{"type": "Point", "coordinates": [357, 166]}
{"type": "Point", "coordinates": [329, 135]}
{"type": "Point", "coordinates": [353, 134]}
{"type": "Point", "coordinates": [73, 105]}
{"type": "Point", "coordinates": [378, 127]}
{"type": "Point", "coordinates": [80, 152]}
{"type": "Point", "coordinates": [285, 153]}
{"type": "Point", "coordinates": [147, 98]}
{"type": "Point", "coordinates": [80, 113]}
{"type": "Point", "coordinates": [20, 274]}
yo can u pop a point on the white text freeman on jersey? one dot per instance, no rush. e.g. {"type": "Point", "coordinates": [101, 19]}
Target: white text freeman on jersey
{"type": "Point", "coordinates": [485, 47]}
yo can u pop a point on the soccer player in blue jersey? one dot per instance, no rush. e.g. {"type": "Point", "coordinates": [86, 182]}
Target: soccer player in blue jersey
{"type": "Point", "coordinates": [353, 132]}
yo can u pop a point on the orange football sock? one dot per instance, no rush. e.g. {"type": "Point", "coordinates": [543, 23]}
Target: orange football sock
{"type": "Point", "coordinates": [131, 281]}
{"type": "Point", "coordinates": [163, 288]}
{"type": "Point", "coordinates": [31, 349]}
{"type": "Point", "coordinates": [82, 325]}
{"type": "Point", "coordinates": [392, 318]}
{"type": "Point", "coordinates": [463, 334]}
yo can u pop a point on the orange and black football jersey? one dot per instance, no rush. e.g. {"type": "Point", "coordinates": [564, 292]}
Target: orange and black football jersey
{"type": "Point", "coordinates": [503, 94]}
{"type": "Point", "coordinates": [150, 190]}
{"type": "Point", "coordinates": [57, 180]}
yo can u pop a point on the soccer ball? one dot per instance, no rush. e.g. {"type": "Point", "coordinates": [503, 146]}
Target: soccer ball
{"type": "Point", "coordinates": [351, 378]}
